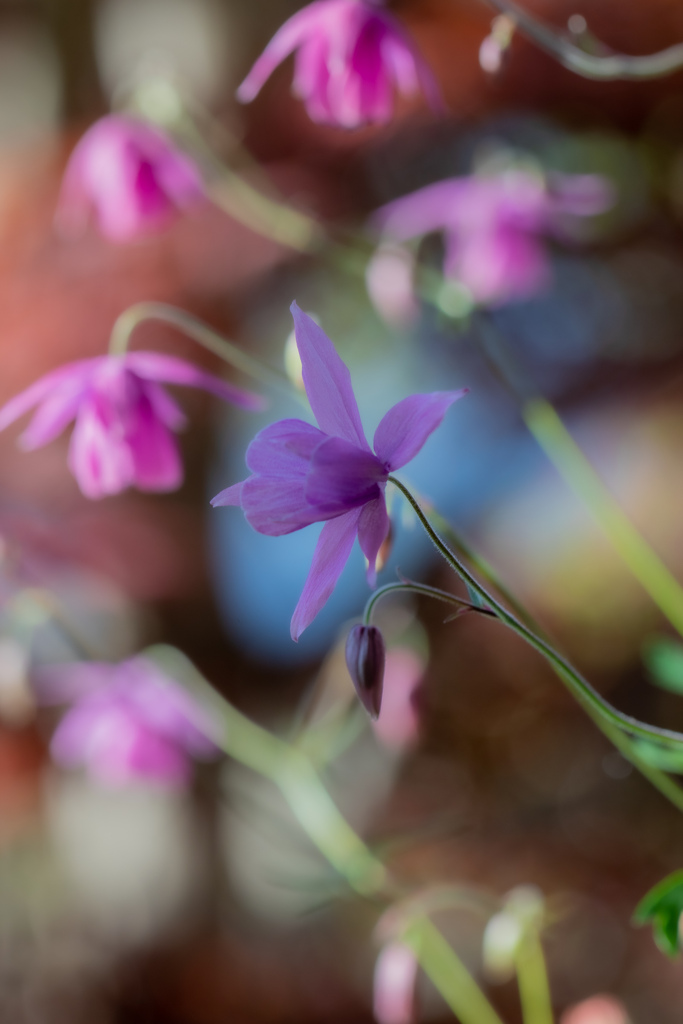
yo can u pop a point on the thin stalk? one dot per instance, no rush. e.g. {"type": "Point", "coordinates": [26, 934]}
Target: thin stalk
{"type": "Point", "coordinates": [200, 332]}
{"type": "Point", "coordinates": [605, 67]}
{"type": "Point", "coordinates": [532, 979]}
{"type": "Point", "coordinates": [407, 586]}
{"type": "Point", "coordinates": [319, 817]}
{"type": "Point", "coordinates": [448, 973]}
{"type": "Point", "coordinates": [580, 687]}
{"type": "Point", "coordinates": [564, 453]}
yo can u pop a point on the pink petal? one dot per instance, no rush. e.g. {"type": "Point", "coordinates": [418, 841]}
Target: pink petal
{"type": "Point", "coordinates": [54, 413]}
{"type": "Point", "coordinates": [100, 460]}
{"type": "Point", "coordinates": [342, 476]}
{"type": "Point", "coordinates": [406, 426]}
{"type": "Point", "coordinates": [78, 372]}
{"type": "Point", "coordinates": [285, 41]}
{"type": "Point", "coordinates": [171, 370]}
{"type": "Point", "coordinates": [429, 209]}
{"type": "Point", "coordinates": [327, 381]}
{"type": "Point", "coordinates": [154, 451]}
{"type": "Point", "coordinates": [331, 555]}
{"type": "Point", "coordinates": [373, 528]}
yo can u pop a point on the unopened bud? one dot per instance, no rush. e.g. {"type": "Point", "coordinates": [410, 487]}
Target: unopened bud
{"type": "Point", "coordinates": [365, 656]}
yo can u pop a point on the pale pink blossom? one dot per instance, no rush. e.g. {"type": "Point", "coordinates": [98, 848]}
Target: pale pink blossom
{"type": "Point", "coordinates": [130, 175]}
{"type": "Point", "coordinates": [394, 985]}
{"type": "Point", "coordinates": [601, 1009]}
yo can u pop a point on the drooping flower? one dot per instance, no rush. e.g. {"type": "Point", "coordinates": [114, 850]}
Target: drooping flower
{"type": "Point", "coordinates": [125, 420]}
{"type": "Point", "coordinates": [128, 722]}
{"type": "Point", "coordinates": [350, 56]}
{"type": "Point", "coordinates": [493, 226]}
{"type": "Point", "coordinates": [131, 175]}
{"type": "Point", "coordinates": [304, 474]}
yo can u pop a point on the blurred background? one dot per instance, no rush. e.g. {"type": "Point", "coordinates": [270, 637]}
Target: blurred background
{"type": "Point", "coordinates": [132, 905]}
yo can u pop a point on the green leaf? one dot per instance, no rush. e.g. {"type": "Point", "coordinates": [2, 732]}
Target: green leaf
{"type": "Point", "coordinates": [669, 759]}
{"type": "Point", "coordinates": [663, 658]}
{"type": "Point", "coordinates": [662, 907]}
{"type": "Point", "coordinates": [474, 597]}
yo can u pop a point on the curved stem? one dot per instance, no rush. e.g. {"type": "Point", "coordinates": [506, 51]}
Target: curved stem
{"type": "Point", "coordinates": [604, 67]}
{"type": "Point", "coordinates": [580, 687]}
{"type": "Point", "coordinates": [407, 586]}
{"type": "Point", "coordinates": [292, 772]}
{"type": "Point", "coordinates": [200, 332]}
{"type": "Point", "coordinates": [532, 978]}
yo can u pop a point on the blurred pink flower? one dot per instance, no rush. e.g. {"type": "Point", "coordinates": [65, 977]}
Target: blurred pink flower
{"type": "Point", "coordinates": [398, 726]}
{"type": "Point", "coordinates": [350, 55]}
{"type": "Point", "coordinates": [124, 419]}
{"type": "Point", "coordinates": [131, 174]}
{"type": "Point", "coordinates": [596, 1010]}
{"type": "Point", "coordinates": [128, 722]}
{"type": "Point", "coordinates": [492, 225]}
{"type": "Point", "coordinates": [394, 985]}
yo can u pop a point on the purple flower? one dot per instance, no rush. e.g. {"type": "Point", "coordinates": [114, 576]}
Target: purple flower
{"type": "Point", "coordinates": [350, 55]}
{"type": "Point", "coordinates": [124, 419]}
{"type": "Point", "coordinates": [127, 722]}
{"type": "Point", "coordinates": [131, 174]}
{"type": "Point", "coordinates": [492, 226]}
{"type": "Point", "coordinates": [304, 474]}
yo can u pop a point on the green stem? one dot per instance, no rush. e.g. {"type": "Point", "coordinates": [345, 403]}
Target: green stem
{"type": "Point", "coordinates": [292, 772]}
{"type": "Point", "coordinates": [447, 971]}
{"type": "Point", "coordinates": [605, 67]}
{"type": "Point", "coordinates": [580, 687]}
{"type": "Point", "coordinates": [532, 978]}
{"type": "Point", "coordinates": [200, 332]}
{"type": "Point", "coordinates": [558, 444]}
{"type": "Point", "coordinates": [407, 586]}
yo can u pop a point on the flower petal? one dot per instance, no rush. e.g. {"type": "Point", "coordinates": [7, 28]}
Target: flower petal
{"type": "Point", "coordinates": [406, 426]}
{"type": "Point", "coordinates": [331, 555]}
{"type": "Point", "coordinates": [100, 460]}
{"type": "Point", "coordinates": [78, 372]}
{"type": "Point", "coordinates": [154, 451]}
{"type": "Point", "coordinates": [278, 505]}
{"type": "Point", "coordinates": [285, 40]}
{"type": "Point", "coordinates": [171, 370]}
{"type": "Point", "coordinates": [342, 476]}
{"type": "Point", "coordinates": [229, 496]}
{"type": "Point", "coordinates": [429, 209]}
{"type": "Point", "coordinates": [284, 449]}
{"type": "Point", "coordinates": [327, 381]}
{"type": "Point", "coordinates": [373, 528]}
{"type": "Point", "coordinates": [54, 413]}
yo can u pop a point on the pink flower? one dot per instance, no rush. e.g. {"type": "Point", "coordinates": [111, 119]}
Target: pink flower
{"type": "Point", "coordinates": [596, 1010]}
{"type": "Point", "coordinates": [131, 174]}
{"type": "Point", "coordinates": [128, 722]}
{"type": "Point", "coordinates": [350, 55]}
{"type": "Point", "coordinates": [394, 985]}
{"type": "Point", "coordinates": [492, 226]}
{"type": "Point", "coordinates": [124, 419]}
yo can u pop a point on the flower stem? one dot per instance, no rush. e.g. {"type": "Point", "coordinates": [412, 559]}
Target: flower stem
{"type": "Point", "coordinates": [200, 332]}
{"type": "Point", "coordinates": [587, 696]}
{"type": "Point", "coordinates": [564, 453]}
{"type": "Point", "coordinates": [292, 772]}
{"type": "Point", "coordinates": [532, 979]}
{"type": "Point", "coordinates": [407, 586]}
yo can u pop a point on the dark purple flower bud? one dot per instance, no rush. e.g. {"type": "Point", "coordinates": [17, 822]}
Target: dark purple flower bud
{"type": "Point", "coordinates": [365, 655]}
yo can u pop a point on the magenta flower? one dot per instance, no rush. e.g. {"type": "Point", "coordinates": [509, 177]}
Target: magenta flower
{"type": "Point", "coordinates": [124, 419]}
{"type": "Point", "coordinates": [492, 226]}
{"type": "Point", "coordinates": [131, 174]}
{"type": "Point", "coordinates": [304, 474]}
{"type": "Point", "coordinates": [350, 55]}
{"type": "Point", "coordinates": [128, 722]}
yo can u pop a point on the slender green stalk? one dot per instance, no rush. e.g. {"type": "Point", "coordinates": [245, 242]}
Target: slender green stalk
{"type": "Point", "coordinates": [564, 453]}
{"type": "Point", "coordinates": [580, 687]}
{"type": "Point", "coordinates": [407, 586]}
{"type": "Point", "coordinates": [602, 66]}
{"type": "Point", "coordinates": [447, 971]}
{"type": "Point", "coordinates": [292, 772]}
{"type": "Point", "coordinates": [200, 332]}
{"type": "Point", "coordinates": [532, 979]}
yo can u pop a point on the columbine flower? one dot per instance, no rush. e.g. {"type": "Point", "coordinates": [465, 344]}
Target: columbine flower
{"type": "Point", "coordinates": [131, 174]}
{"type": "Point", "coordinates": [128, 722]}
{"type": "Point", "coordinates": [304, 474]}
{"type": "Point", "coordinates": [350, 55]}
{"type": "Point", "coordinates": [492, 225]}
{"type": "Point", "coordinates": [124, 419]}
